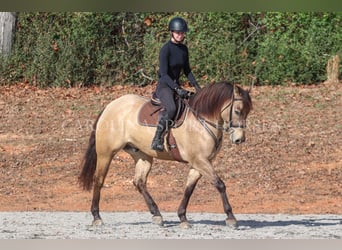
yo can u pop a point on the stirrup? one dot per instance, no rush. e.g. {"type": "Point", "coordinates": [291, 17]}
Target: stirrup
{"type": "Point", "coordinates": [157, 145]}
{"type": "Point", "coordinates": [155, 100]}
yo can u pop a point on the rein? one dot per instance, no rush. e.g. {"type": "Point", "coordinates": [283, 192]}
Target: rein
{"type": "Point", "coordinates": [230, 126]}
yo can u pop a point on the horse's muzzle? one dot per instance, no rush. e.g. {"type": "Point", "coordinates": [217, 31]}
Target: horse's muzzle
{"type": "Point", "coordinates": [239, 141]}
{"type": "Point", "coordinates": [237, 136]}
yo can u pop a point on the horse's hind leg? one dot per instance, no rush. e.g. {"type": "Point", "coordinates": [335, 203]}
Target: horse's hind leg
{"type": "Point", "coordinates": [103, 162]}
{"type": "Point", "coordinates": [143, 165]}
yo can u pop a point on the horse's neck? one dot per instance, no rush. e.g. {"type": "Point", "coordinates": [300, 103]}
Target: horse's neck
{"type": "Point", "coordinates": [213, 127]}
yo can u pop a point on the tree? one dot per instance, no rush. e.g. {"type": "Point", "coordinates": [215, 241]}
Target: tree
{"type": "Point", "coordinates": [7, 24]}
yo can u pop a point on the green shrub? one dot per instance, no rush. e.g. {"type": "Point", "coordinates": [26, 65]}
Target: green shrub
{"type": "Point", "coordinates": [82, 48]}
{"type": "Point", "coordinates": [297, 46]}
{"type": "Point", "coordinates": [68, 49]}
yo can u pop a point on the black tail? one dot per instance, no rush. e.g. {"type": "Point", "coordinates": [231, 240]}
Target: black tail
{"type": "Point", "coordinates": [88, 164]}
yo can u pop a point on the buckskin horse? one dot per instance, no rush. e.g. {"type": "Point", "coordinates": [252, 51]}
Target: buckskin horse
{"type": "Point", "coordinates": [216, 108]}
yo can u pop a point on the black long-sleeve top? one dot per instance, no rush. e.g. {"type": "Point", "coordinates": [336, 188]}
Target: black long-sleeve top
{"type": "Point", "coordinates": [173, 58]}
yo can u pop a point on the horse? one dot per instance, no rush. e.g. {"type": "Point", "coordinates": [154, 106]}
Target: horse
{"type": "Point", "coordinates": [214, 109]}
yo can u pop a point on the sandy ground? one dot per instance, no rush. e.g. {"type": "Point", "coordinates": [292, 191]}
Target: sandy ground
{"type": "Point", "coordinates": [290, 164]}
{"type": "Point", "coordinates": [137, 225]}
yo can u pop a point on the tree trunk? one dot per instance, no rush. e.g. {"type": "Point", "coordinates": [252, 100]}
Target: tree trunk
{"type": "Point", "coordinates": [333, 69]}
{"type": "Point", "coordinates": [7, 25]}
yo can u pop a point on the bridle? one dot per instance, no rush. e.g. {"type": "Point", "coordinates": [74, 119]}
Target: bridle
{"type": "Point", "coordinates": [230, 125]}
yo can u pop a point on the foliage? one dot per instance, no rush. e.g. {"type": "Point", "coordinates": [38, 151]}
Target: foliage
{"type": "Point", "coordinates": [67, 49]}
{"type": "Point", "coordinates": [297, 46]}
{"type": "Point", "coordinates": [82, 48]}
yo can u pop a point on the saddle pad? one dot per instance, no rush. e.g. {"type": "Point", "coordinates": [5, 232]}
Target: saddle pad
{"type": "Point", "coordinates": [149, 115]}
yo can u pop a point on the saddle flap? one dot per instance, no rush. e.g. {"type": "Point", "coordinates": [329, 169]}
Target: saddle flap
{"type": "Point", "coordinates": [172, 145]}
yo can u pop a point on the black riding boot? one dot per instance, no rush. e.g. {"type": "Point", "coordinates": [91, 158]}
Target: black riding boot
{"type": "Point", "coordinates": [158, 140]}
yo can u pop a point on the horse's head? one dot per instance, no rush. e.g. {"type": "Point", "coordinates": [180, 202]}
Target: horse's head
{"type": "Point", "coordinates": [234, 114]}
{"type": "Point", "coordinates": [224, 103]}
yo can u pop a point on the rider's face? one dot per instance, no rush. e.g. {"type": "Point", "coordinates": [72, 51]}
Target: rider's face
{"type": "Point", "coordinates": [178, 36]}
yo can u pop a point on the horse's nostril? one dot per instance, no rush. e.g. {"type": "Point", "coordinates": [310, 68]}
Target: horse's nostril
{"type": "Point", "coordinates": [239, 141]}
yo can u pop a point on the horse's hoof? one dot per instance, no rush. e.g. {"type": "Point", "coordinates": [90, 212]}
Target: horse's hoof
{"type": "Point", "coordinates": [97, 223]}
{"type": "Point", "coordinates": [185, 225]}
{"type": "Point", "coordinates": [158, 220]}
{"type": "Point", "coordinates": [232, 223]}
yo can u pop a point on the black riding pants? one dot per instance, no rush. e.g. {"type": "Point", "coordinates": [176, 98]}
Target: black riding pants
{"type": "Point", "coordinates": [166, 96]}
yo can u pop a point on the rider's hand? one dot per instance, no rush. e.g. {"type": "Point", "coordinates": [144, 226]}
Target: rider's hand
{"type": "Point", "coordinates": [182, 93]}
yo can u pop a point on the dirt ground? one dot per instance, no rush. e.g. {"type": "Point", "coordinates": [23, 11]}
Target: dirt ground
{"type": "Point", "coordinates": [290, 163]}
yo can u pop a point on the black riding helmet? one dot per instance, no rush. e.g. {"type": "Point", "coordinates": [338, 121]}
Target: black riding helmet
{"type": "Point", "coordinates": [178, 24]}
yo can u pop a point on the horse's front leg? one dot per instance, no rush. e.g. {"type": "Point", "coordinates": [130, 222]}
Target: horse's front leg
{"type": "Point", "coordinates": [192, 180]}
{"type": "Point", "coordinates": [205, 168]}
{"type": "Point", "coordinates": [221, 187]}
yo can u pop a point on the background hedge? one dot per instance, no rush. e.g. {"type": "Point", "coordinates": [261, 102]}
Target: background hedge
{"type": "Point", "coordinates": [80, 48]}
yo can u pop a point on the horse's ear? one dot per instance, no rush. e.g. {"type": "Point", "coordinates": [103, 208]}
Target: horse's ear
{"type": "Point", "coordinates": [236, 89]}
{"type": "Point", "coordinates": [251, 86]}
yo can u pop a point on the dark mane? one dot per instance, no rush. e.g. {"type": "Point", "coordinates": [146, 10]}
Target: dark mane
{"type": "Point", "coordinates": [209, 100]}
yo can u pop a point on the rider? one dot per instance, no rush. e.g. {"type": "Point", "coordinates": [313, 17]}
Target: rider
{"type": "Point", "coordinates": [173, 58]}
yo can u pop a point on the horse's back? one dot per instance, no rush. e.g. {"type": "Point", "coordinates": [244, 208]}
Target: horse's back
{"type": "Point", "coordinates": [116, 122]}
{"type": "Point", "coordinates": [128, 99]}
{"type": "Point", "coordinates": [122, 109]}
{"type": "Point", "coordinates": [125, 104]}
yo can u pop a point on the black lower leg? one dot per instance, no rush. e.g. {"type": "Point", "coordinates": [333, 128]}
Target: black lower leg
{"type": "Point", "coordinates": [221, 187]}
{"type": "Point", "coordinates": [95, 210]}
{"type": "Point", "coordinates": [185, 201]}
{"type": "Point", "coordinates": [148, 198]}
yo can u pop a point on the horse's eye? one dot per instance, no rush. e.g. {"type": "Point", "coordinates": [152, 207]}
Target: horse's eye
{"type": "Point", "coordinates": [237, 112]}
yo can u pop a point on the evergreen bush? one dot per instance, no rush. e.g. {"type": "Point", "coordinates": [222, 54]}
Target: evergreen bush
{"type": "Point", "coordinates": [82, 48]}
